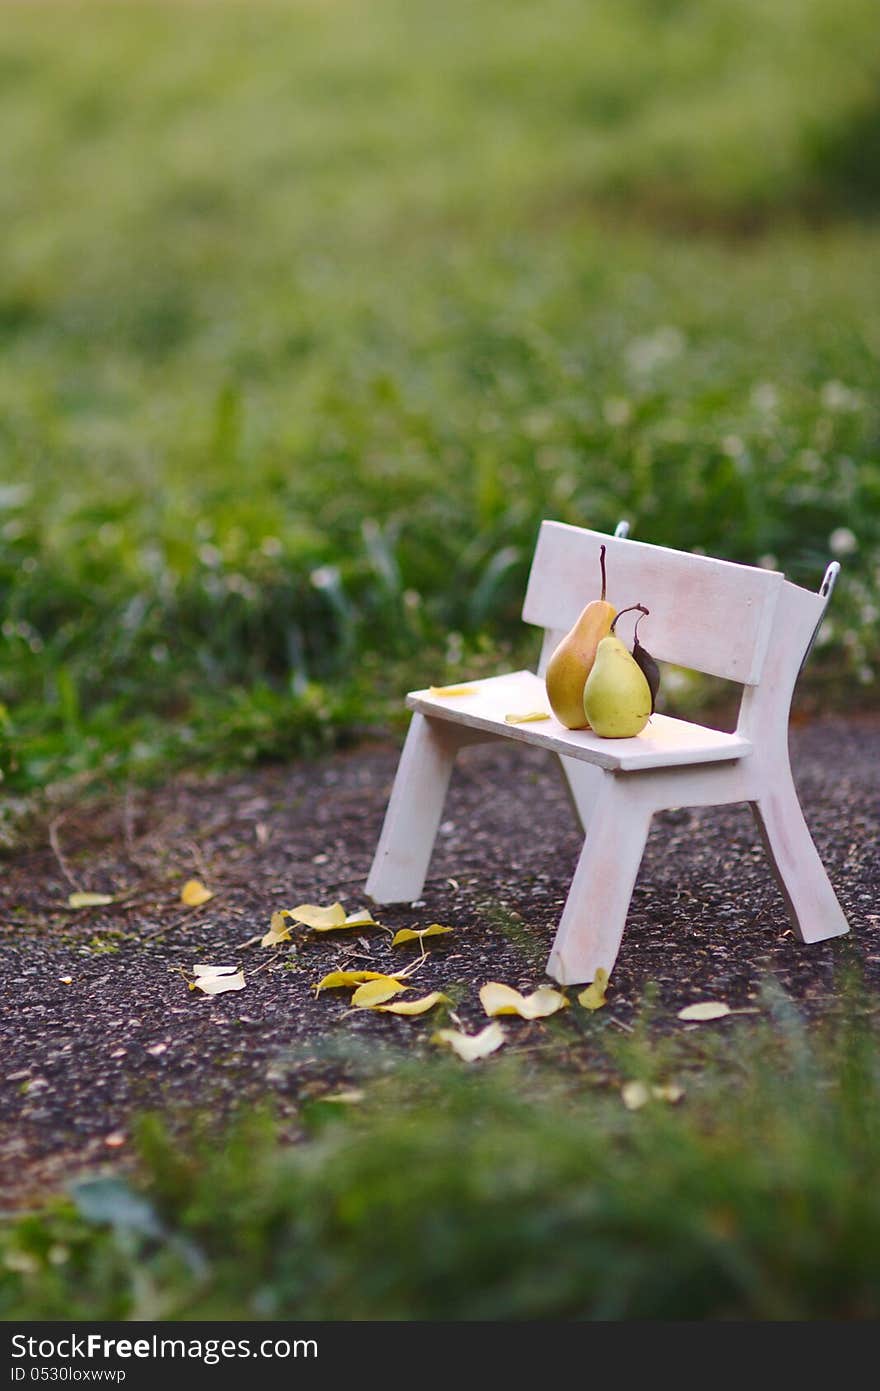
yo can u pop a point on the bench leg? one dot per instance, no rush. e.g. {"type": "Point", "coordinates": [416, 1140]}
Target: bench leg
{"type": "Point", "coordinates": [582, 781]}
{"type": "Point", "coordinates": [403, 854]}
{"type": "Point", "coordinates": [595, 911]}
{"type": "Point", "coordinates": [811, 901]}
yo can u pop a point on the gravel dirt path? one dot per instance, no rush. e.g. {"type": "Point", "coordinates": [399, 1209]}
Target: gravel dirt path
{"type": "Point", "coordinates": [97, 1022]}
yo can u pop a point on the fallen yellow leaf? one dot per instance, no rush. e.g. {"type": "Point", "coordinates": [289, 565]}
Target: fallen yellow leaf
{"type": "Point", "coordinates": [451, 690]}
{"type": "Point", "coordinates": [376, 992]}
{"type": "Point", "coordinates": [362, 918]}
{"type": "Point", "coordinates": [89, 900]}
{"type": "Point", "coordinates": [216, 980]}
{"type": "Point", "coordinates": [706, 1011]}
{"type": "Point", "coordinates": [531, 717]}
{"type": "Point", "coordinates": [594, 995]}
{"type": "Point", "coordinates": [634, 1095]}
{"type": "Point", "coordinates": [471, 1047]}
{"type": "Point", "coordinates": [670, 1092]}
{"type": "Point", "coordinates": [279, 930]}
{"type": "Point", "coordinates": [194, 893]}
{"type": "Point", "coordinates": [503, 999]}
{"type": "Point", "coordinates": [330, 919]}
{"type": "Point", "coordinates": [337, 980]}
{"type": "Point", "coordinates": [414, 934]}
{"type": "Point", "coordinates": [313, 915]}
{"type": "Point", "coordinates": [420, 1006]}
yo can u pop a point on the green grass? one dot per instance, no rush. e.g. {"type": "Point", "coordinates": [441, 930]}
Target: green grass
{"type": "Point", "coordinates": [310, 313]}
{"type": "Point", "coordinates": [512, 1190]}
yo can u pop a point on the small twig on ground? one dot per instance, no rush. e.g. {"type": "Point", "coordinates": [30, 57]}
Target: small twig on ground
{"type": "Point", "coordinates": [265, 964]}
{"type": "Point", "coordinates": [169, 927]}
{"type": "Point", "coordinates": [127, 901]}
{"type": "Point", "coordinates": [198, 859]}
{"type": "Point", "coordinates": [352, 955]}
{"type": "Point", "coordinates": [135, 897]}
{"type": "Point", "coordinates": [619, 1024]}
{"type": "Point", "coordinates": [128, 816]}
{"type": "Point", "coordinates": [55, 843]}
{"type": "Point", "coordinates": [406, 971]}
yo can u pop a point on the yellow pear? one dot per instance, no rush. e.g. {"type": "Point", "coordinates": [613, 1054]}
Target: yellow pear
{"type": "Point", "coordinates": [570, 665]}
{"type": "Point", "coordinates": [617, 697]}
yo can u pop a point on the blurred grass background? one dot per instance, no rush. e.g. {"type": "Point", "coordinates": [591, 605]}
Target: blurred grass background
{"type": "Point", "coordinates": [309, 313]}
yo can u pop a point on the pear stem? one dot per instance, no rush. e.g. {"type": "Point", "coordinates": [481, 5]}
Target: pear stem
{"type": "Point", "coordinates": [642, 612]}
{"type": "Point", "coordinates": [602, 568]}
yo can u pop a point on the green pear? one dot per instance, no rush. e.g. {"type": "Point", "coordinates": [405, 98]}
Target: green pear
{"type": "Point", "coordinates": [617, 697]}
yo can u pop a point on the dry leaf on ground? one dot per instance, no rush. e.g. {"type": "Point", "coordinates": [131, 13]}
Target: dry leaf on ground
{"type": "Point", "coordinates": [670, 1092]}
{"type": "Point", "coordinates": [279, 930]}
{"type": "Point", "coordinates": [635, 1095]}
{"type": "Point", "coordinates": [337, 980]}
{"type": "Point", "coordinates": [416, 934]}
{"type": "Point", "coordinates": [376, 992]}
{"type": "Point", "coordinates": [594, 995]}
{"type": "Point", "coordinates": [216, 980]}
{"type": "Point", "coordinates": [194, 893]}
{"type": "Point", "coordinates": [82, 900]}
{"type": "Point", "coordinates": [471, 1047]}
{"type": "Point", "coordinates": [331, 918]}
{"type": "Point", "coordinates": [314, 915]}
{"type": "Point", "coordinates": [503, 999]}
{"type": "Point", "coordinates": [361, 918]}
{"type": "Point", "coordinates": [420, 1006]}
{"type": "Point", "coordinates": [710, 1009]}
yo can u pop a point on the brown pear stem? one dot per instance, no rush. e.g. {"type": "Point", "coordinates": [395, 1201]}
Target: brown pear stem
{"type": "Point", "coordinates": [642, 611]}
{"type": "Point", "coordinates": [602, 568]}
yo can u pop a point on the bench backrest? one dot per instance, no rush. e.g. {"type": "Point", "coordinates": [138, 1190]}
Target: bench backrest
{"type": "Point", "coordinates": [710, 615]}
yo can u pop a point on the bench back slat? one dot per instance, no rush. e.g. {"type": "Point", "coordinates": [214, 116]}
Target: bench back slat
{"type": "Point", "coordinates": [710, 615]}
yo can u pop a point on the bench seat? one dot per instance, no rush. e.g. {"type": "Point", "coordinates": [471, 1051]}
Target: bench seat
{"type": "Point", "coordinates": [664, 742]}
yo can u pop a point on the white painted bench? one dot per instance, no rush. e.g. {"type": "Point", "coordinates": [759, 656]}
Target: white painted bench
{"type": "Point", "coordinates": [738, 622]}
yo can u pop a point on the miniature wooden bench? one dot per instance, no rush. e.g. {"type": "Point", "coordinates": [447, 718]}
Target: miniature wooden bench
{"type": "Point", "coordinates": [738, 622]}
